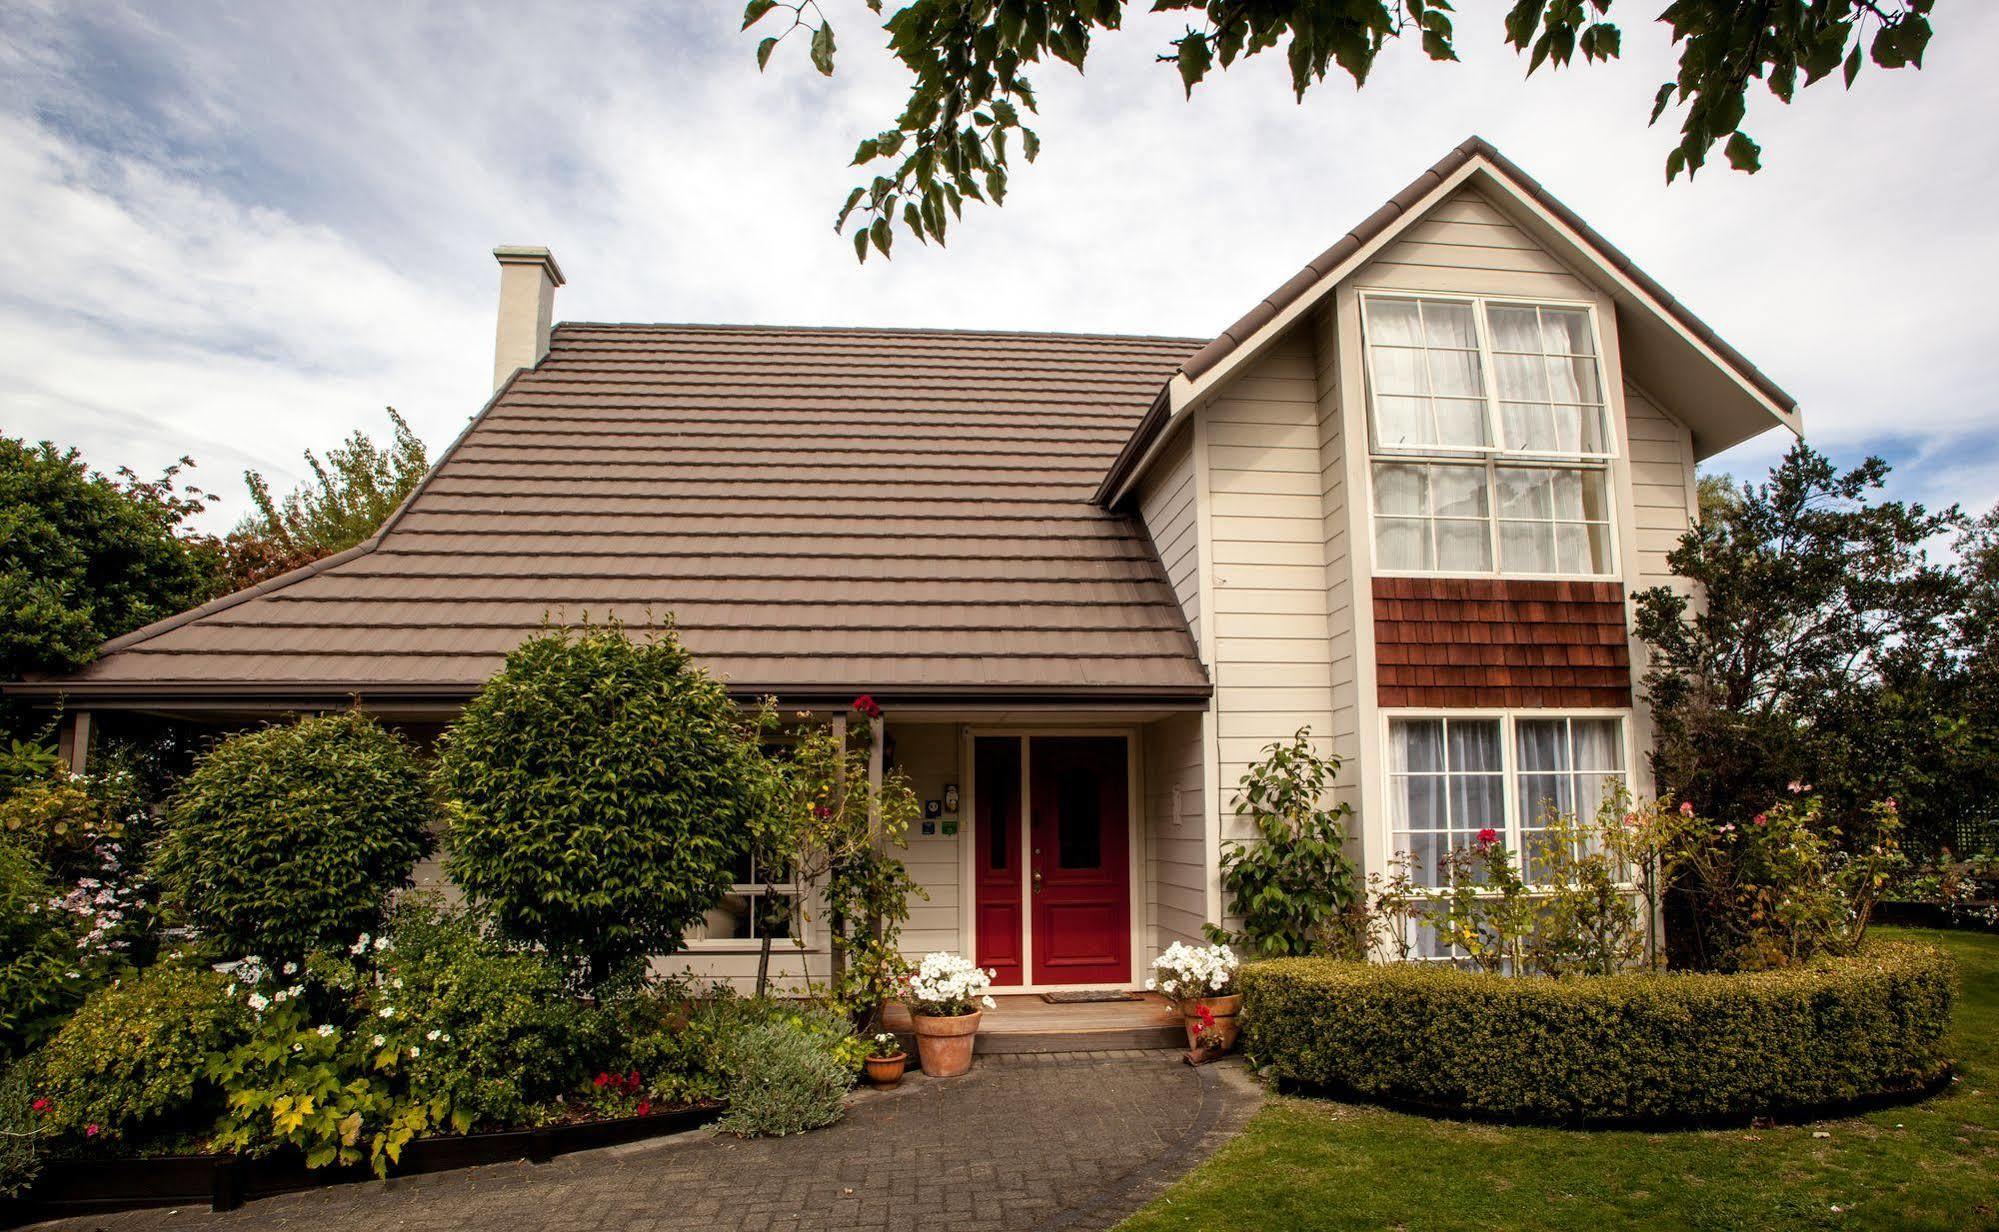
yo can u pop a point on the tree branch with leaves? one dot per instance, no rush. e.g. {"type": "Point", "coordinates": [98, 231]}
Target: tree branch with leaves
{"type": "Point", "coordinates": [970, 94]}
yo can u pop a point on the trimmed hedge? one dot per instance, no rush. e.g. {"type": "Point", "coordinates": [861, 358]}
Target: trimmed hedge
{"type": "Point", "coordinates": [1624, 1048]}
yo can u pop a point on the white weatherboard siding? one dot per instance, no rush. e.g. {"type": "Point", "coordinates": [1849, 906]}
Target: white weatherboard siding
{"type": "Point", "coordinates": [1467, 247]}
{"type": "Point", "coordinates": [1175, 828]}
{"type": "Point", "coordinates": [1662, 487]}
{"type": "Point", "coordinates": [1168, 504]}
{"type": "Point", "coordinates": [1336, 510]}
{"type": "Point", "coordinates": [1272, 656]}
{"type": "Point", "coordinates": [928, 755]}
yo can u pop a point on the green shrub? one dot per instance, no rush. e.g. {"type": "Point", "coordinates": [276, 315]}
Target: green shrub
{"type": "Point", "coordinates": [686, 1044]}
{"type": "Point", "coordinates": [1293, 888]}
{"type": "Point", "coordinates": [39, 980]}
{"type": "Point", "coordinates": [603, 787]}
{"type": "Point", "coordinates": [785, 1078]}
{"type": "Point", "coordinates": [494, 1031]}
{"type": "Point", "coordinates": [20, 1127]}
{"type": "Point", "coordinates": [131, 1061]}
{"type": "Point", "coordinates": [1635, 1046]}
{"type": "Point", "coordinates": [293, 837]}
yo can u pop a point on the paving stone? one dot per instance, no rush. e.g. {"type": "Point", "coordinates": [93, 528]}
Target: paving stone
{"type": "Point", "coordinates": [1027, 1141]}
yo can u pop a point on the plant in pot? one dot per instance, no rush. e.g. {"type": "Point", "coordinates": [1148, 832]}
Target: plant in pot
{"type": "Point", "coordinates": [945, 994]}
{"type": "Point", "coordinates": [1202, 978]}
{"type": "Point", "coordinates": [886, 1060]}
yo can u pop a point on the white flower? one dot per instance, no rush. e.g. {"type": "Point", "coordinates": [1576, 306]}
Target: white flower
{"type": "Point", "coordinates": [415, 1052]}
{"type": "Point", "coordinates": [359, 947]}
{"type": "Point", "coordinates": [380, 1040]}
{"type": "Point", "coordinates": [259, 1002]}
{"type": "Point", "coordinates": [397, 982]}
{"type": "Point", "coordinates": [433, 1036]}
{"type": "Point", "coordinates": [989, 1003]}
{"type": "Point", "coordinates": [298, 1047]}
{"type": "Point", "coordinates": [325, 1030]}
{"type": "Point", "coordinates": [290, 968]}
{"type": "Point", "coordinates": [446, 1037]}
{"type": "Point", "coordinates": [383, 944]}
{"type": "Point", "coordinates": [387, 1011]}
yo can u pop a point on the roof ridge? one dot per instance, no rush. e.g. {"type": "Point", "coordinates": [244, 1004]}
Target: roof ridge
{"type": "Point", "coordinates": [896, 330]}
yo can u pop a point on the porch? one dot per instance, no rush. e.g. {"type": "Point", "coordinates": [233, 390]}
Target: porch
{"type": "Point", "coordinates": [1027, 1023]}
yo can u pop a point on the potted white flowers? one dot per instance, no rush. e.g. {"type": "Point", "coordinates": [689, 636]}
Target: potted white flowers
{"type": "Point", "coordinates": [1202, 978]}
{"type": "Point", "coordinates": [885, 1060]}
{"type": "Point", "coordinates": [945, 993]}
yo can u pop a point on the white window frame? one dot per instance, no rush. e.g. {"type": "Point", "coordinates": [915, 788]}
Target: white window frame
{"type": "Point", "coordinates": [753, 890]}
{"type": "Point", "coordinates": [1509, 759]}
{"type": "Point", "coordinates": [1493, 457]}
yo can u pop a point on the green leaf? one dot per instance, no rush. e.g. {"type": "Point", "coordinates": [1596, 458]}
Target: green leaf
{"type": "Point", "coordinates": [883, 235]}
{"type": "Point", "coordinates": [822, 49]}
{"type": "Point", "coordinates": [1194, 59]}
{"type": "Point", "coordinates": [754, 11]}
{"type": "Point", "coordinates": [1852, 65]}
{"type": "Point", "coordinates": [1744, 154]}
{"type": "Point", "coordinates": [763, 52]}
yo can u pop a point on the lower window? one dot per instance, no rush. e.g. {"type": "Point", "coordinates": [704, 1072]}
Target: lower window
{"type": "Point", "coordinates": [1451, 777]}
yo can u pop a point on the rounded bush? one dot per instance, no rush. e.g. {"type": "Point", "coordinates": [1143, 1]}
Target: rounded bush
{"type": "Point", "coordinates": [131, 1061]}
{"type": "Point", "coordinates": [293, 837]}
{"type": "Point", "coordinates": [603, 786]}
{"type": "Point", "coordinates": [784, 1078]}
{"type": "Point", "coordinates": [1636, 1047]}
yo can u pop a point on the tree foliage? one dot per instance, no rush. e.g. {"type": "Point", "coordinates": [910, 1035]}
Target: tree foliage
{"type": "Point", "coordinates": [1823, 649]}
{"type": "Point", "coordinates": [352, 492]}
{"type": "Point", "coordinates": [970, 94]}
{"type": "Point", "coordinates": [86, 557]}
{"type": "Point", "coordinates": [602, 786]}
{"type": "Point", "coordinates": [293, 837]}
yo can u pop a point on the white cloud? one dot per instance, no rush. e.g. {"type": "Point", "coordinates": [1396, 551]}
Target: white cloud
{"type": "Point", "coordinates": [239, 233]}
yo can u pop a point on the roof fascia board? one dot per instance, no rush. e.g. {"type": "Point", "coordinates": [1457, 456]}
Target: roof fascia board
{"type": "Point", "coordinates": [1188, 395]}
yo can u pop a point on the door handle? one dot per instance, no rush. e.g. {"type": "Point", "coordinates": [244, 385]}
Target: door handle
{"type": "Point", "coordinates": [1037, 883]}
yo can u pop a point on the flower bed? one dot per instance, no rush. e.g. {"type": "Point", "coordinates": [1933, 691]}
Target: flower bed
{"type": "Point", "coordinates": [88, 1186]}
{"type": "Point", "coordinates": [1633, 1048]}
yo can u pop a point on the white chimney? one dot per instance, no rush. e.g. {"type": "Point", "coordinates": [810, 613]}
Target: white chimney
{"type": "Point", "coordinates": [528, 278]}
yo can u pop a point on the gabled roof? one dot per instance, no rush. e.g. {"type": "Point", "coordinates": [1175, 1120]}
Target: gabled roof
{"type": "Point", "coordinates": [1765, 406]}
{"type": "Point", "coordinates": [823, 511]}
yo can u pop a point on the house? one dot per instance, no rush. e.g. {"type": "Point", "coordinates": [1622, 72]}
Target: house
{"type": "Point", "coordinates": [1405, 502]}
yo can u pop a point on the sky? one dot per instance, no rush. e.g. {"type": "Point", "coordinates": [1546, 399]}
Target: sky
{"type": "Point", "coordinates": [238, 232]}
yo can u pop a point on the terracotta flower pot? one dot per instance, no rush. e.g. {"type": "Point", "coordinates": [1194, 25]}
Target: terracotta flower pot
{"type": "Point", "coordinates": [1221, 1036]}
{"type": "Point", "coordinates": [945, 1043]}
{"type": "Point", "coordinates": [887, 1071]}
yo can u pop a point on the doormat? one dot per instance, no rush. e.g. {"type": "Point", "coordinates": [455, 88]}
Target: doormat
{"type": "Point", "coordinates": [1084, 996]}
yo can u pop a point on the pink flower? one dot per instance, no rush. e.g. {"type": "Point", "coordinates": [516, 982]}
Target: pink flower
{"type": "Point", "coordinates": [1760, 818]}
{"type": "Point", "coordinates": [91, 1130]}
{"type": "Point", "coordinates": [1631, 819]}
{"type": "Point", "coordinates": [1889, 804]}
{"type": "Point", "coordinates": [1687, 809]}
{"type": "Point", "coordinates": [1487, 837]}
{"type": "Point", "coordinates": [1798, 787]}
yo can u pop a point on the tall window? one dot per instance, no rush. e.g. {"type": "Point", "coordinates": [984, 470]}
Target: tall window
{"type": "Point", "coordinates": [1489, 432]}
{"type": "Point", "coordinates": [1566, 766]}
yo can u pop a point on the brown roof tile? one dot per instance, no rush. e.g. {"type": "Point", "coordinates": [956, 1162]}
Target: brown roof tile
{"type": "Point", "coordinates": [822, 511]}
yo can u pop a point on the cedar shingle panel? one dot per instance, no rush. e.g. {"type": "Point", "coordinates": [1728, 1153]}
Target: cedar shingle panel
{"type": "Point", "coordinates": [820, 509]}
{"type": "Point", "coordinates": [1491, 642]}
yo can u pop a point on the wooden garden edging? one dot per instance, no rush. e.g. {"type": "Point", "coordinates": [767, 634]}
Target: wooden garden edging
{"type": "Point", "coordinates": [224, 1182]}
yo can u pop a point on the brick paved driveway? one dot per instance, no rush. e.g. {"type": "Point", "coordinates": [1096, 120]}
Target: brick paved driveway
{"type": "Point", "coordinates": [1044, 1142]}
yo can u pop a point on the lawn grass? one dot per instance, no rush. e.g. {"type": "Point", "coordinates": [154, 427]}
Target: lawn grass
{"type": "Point", "coordinates": [1316, 1164]}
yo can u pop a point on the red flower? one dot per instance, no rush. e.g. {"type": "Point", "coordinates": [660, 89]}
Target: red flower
{"type": "Point", "coordinates": [1487, 837]}
{"type": "Point", "coordinates": [41, 1105]}
{"type": "Point", "coordinates": [602, 1079]}
{"type": "Point", "coordinates": [645, 1106]}
{"type": "Point", "coordinates": [632, 1081]}
{"type": "Point", "coordinates": [1206, 1015]}
{"type": "Point", "coordinates": [868, 706]}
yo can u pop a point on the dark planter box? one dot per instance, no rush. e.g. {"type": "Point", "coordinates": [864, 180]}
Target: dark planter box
{"type": "Point", "coordinates": [224, 1182]}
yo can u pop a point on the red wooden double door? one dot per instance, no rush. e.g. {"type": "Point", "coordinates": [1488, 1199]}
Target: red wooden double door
{"type": "Point", "coordinates": [1053, 883]}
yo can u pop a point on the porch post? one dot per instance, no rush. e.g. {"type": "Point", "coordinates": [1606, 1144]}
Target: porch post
{"type": "Point", "coordinates": [877, 738]}
{"type": "Point", "coordinates": [836, 925]}
{"type": "Point", "coordinates": [73, 741]}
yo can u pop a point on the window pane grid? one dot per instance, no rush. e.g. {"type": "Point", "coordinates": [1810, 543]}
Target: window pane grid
{"type": "Point", "coordinates": [1428, 374]}
{"type": "Point", "coordinates": [738, 917]}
